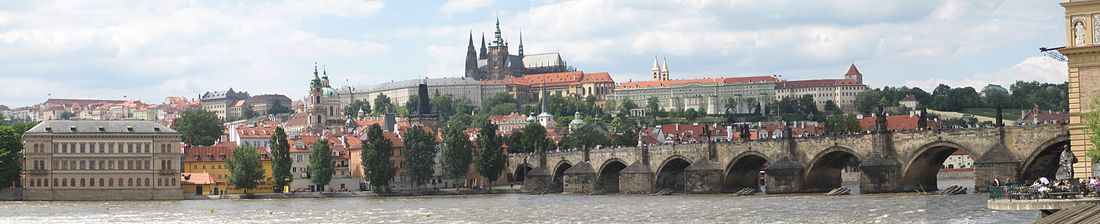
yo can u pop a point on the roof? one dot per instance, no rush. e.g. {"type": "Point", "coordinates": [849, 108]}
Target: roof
{"type": "Point", "coordinates": [223, 94]}
{"type": "Point", "coordinates": [853, 70]}
{"type": "Point", "coordinates": [413, 83]}
{"type": "Point", "coordinates": [88, 127]}
{"type": "Point", "coordinates": [196, 178]}
{"type": "Point", "coordinates": [81, 101]}
{"type": "Point", "coordinates": [704, 81]}
{"type": "Point", "coordinates": [1085, 213]}
{"type": "Point", "coordinates": [817, 83]}
{"type": "Point", "coordinates": [909, 98]}
{"type": "Point", "coordinates": [1044, 117]}
{"type": "Point", "coordinates": [267, 98]}
{"type": "Point", "coordinates": [508, 117]}
{"type": "Point", "coordinates": [551, 59]}
{"type": "Point", "coordinates": [555, 79]}
{"type": "Point", "coordinates": [257, 131]}
{"type": "Point", "coordinates": [298, 119]}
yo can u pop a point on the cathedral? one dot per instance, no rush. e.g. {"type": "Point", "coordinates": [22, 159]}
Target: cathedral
{"type": "Point", "coordinates": [495, 62]}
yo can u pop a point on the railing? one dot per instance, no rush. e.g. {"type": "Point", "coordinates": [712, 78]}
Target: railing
{"type": "Point", "coordinates": [1026, 192]}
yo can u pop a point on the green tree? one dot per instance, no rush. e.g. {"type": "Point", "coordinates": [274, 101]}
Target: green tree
{"type": "Point", "coordinates": [383, 105]}
{"type": "Point", "coordinates": [534, 138]}
{"type": "Point", "coordinates": [277, 107]}
{"type": "Point", "coordinates": [1092, 127]}
{"type": "Point", "coordinates": [626, 106]}
{"type": "Point", "coordinates": [504, 108]}
{"type": "Point", "coordinates": [588, 136]}
{"type": "Point", "coordinates": [281, 163]}
{"type": "Point", "coordinates": [248, 112]}
{"type": "Point", "coordinates": [376, 159]}
{"type": "Point", "coordinates": [352, 109]}
{"type": "Point", "coordinates": [419, 153]}
{"type": "Point", "coordinates": [199, 127]}
{"type": "Point", "coordinates": [841, 124]}
{"type": "Point", "coordinates": [443, 105]}
{"type": "Point", "coordinates": [245, 168]}
{"type": "Point", "coordinates": [320, 164]}
{"type": "Point", "coordinates": [457, 151]}
{"type": "Point", "coordinates": [691, 114]}
{"type": "Point", "coordinates": [490, 159]}
{"type": "Point", "coordinates": [652, 106]}
{"type": "Point", "coordinates": [831, 108]}
{"type": "Point", "coordinates": [11, 144]}
{"type": "Point", "coordinates": [66, 115]}
{"type": "Point", "coordinates": [499, 98]}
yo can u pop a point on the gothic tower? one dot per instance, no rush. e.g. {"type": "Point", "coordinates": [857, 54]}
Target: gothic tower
{"type": "Point", "coordinates": [484, 51]}
{"type": "Point", "coordinates": [521, 44]}
{"type": "Point", "coordinates": [471, 58]}
{"type": "Point", "coordinates": [497, 56]}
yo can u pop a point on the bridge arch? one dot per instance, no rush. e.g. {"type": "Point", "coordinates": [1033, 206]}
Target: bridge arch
{"type": "Point", "coordinates": [824, 172]}
{"type": "Point", "coordinates": [607, 177]}
{"type": "Point", "coordinates": [925, 163]}
{"type": "Point", "coordinates": [520, 173]}
{"type": "Point", "coordinates": [558, 183]}
{"type": "Point", "coordinates": [1043, 161]}
{"type": "Point", "coordinates": [743, 171]}
{"type": "Point", "coordinates": [670, 175]}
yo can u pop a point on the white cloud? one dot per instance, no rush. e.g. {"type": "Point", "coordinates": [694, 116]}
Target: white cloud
{"type": "Point", "coordinates": [1036, 68]}
{"type": "Point", "coordinates": [461, 6]}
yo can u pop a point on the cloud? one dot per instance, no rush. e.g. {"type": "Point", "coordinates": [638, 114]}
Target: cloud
{"type": "Point", "coordinates": [1037, 68]}
{"type": "Point", "coordinates": [462, 6]}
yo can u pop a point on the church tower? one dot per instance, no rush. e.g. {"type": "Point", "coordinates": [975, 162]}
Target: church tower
{"type": "Point", "coordinates": [497, 56]}
{"type": "Point", "coordinates": [471, 58]}
{"type": "Point", "coordinates": [484, 51]}
{"type": "Point", "coordinates": [853, 74]}
{"type": "Point", "coordinates": [664, 71]}
{"type": "Point", "coordinates": [316, 107]}
{"type": "Point", "coordinates": [656, 71]}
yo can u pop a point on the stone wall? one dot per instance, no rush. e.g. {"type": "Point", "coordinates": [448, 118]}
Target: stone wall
{"type": "Point", "coordinates": [101, 194]}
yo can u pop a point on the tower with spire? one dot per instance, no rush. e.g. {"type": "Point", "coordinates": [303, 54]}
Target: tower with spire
{"type": "Point", "coordinates": [853, 74]}
{"type": "Point", "coordinates": [494, 61]}
{"type": "Point", "coordinates": [660, 72]}
{"type": "Point", "coordinates": [322, 103]}
{"type": "Point", "coordinates": [471, 57]}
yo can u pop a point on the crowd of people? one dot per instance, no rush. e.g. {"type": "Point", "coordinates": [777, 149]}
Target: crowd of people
{"type": "Point", "coordinates": [1048, 188]}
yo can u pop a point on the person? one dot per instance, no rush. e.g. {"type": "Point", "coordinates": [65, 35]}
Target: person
{"type": "Point", "coordinates": [1044, 181]}
{"type": "Point", "coordinates": [996, 182]}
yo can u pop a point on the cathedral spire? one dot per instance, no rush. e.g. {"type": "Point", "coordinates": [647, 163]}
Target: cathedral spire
{"type": "Point", "coordinates": [656, 64]}
{"type": "Point", "coordinates": [315, 77]}
{"type": "Point", "coordinates": [483, 50]}
{"type": "Point", "coordinates": [521, 43]}
{"type": "Point", "coordinates": [497, 39]}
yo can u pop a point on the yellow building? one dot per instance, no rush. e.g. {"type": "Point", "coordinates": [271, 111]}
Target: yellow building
{"type": "Point", "coordinates": [1083, 51]}
{"type": "Point", "coordinates": [212, 161]}
{"type": "Point", "coordinates": [197, 183]}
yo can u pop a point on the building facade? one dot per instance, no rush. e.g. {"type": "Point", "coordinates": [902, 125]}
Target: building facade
{"type": "Point", "coordinates": [222, 102]}
{"type": "Point", "coordinates": [212, 160]}
{"type": "Point", "coordinates": [322, 104]}
{"type": "Point", "coordinates": [101, 160]}
{"type": "Point", "coordinates": [710, 94]}
{"type": "Point", "coordinates": [842, 92]}
{"type": "Point", "coordinates": [1083, 51]}
{"type": "Point", "coordinates": [400, 92]}
{"type": "Point", "coordinates": [262, 104]}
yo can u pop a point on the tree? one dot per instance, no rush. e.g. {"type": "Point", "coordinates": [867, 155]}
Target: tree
{"type": "Point", "coordinates": [352, 109]}
{"type": "Point", "coordinates": [383, 105]}
{"type": "Point", "coordinates": [1092, 127]}
{"type": "Point", "coordinates": [691, 114]}
{"type": "Point", "coordinates": [626, 106]}
{"type": "Point", "coordinates": [277, 107]}
{"type": "Point", "coordinates": [376, 159]}
{"type": "Point", "coordinates": [281, 163]}
{"type": "Point", "coordinates": [66, 115]}
{"type": "Point", "coordinates": [504, 108]}
{"type": "Point", "coordinates": [11, 144]}
{"type": "Point", "coordinates": [534, 138]}
{"type": "Point", "coordinates": [490, 159]}
{"type": "Point", "coordinates": [248, 112]}
{"type": "Point", "coordinates": [499, 98]}
{"type": "Point", "coordinates": [245, 168]}
{"type": "Point", "coordinates": [831, 108]}
{"type": "Point", "coordinates": [443, 105]}
{"type": "Point", "coordinates": [419, 153]}
{"type": "Point", "coordinates": [588, 136]}
{"type": "Point", "coordinates": [320, 164]}
{"type": "Point", "coordinates": [456, 151]}
{"type": "Point", "coordinates": [199, 127]}
{"type": "Point", "coordinates": [841, 124]}
{"type": "Point", "coordinates": [651, 106]}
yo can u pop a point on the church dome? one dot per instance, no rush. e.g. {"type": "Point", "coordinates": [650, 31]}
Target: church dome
{"type": "Point", "coordinates": [329, 92]}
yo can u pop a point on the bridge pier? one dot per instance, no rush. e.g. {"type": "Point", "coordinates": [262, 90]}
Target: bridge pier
{"type": "Point", "coordinates": [784, 176]}
{"type": "Point", "coordinates": [704, 177]}
{"type": "Point", "coordinates": [537, 180]}
{"type": "Point", "coordinates": [580, 179]}
{"type": "Point", "coordinates": [880, 175]}
{"type": "Point", "coordinates": [997, 163]}
{"type": "Point", "coordinates": [636, 179]}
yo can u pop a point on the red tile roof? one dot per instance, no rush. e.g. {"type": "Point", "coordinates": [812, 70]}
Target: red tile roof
{"type": "Point", "coordinates": [257, 131]}
{"type": "Point", "coordinates": [81, 101]}
{"type": "Point", "coordinates": [205, 153]}
{"type": "Point", "coordinates": [852, 70]}
{"type": "Point", "coordinates": [705, 81]}
{"type": "Point", "coordinates": [555, 79]}
{"type": "Point", "coordinates": [817, 83]}
{"type": "Point", "coordinates": [1044, 117]}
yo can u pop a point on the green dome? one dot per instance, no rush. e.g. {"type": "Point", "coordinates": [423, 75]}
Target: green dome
{"type": "Point", "coordinates": [329, 92]}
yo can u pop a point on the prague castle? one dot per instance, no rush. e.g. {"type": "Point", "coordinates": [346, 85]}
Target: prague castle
{"type": "Point", "coordinates": [495, 62]}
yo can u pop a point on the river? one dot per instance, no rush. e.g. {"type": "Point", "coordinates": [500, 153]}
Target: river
{"type": "Point", "coordinates": [517, 208]}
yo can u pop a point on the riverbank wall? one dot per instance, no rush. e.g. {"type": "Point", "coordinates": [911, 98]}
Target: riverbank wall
{"type": "Point", "coordinates": [356, 194]}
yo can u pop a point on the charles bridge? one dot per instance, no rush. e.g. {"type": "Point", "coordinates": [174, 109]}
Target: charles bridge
{"type": "Point", "coordinates": [902, 161]}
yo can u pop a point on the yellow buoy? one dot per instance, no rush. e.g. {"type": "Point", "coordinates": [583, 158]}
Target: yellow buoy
{"type": "Point", "coordinates": [211, 211]}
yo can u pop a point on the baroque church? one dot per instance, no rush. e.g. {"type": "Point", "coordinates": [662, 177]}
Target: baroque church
{"type": "Point", "coordinates": [323, 105]}
{"type": "Point", "coordinates": [495, 62]}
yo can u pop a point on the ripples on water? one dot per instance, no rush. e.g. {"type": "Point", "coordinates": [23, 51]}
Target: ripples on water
{"type": "Point", "coordinates": [806, 208]}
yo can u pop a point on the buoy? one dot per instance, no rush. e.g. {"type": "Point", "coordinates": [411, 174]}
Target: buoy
{"type": "Point", "coordinates": [429, 215]}
{"type": "Point", "coordinates": [268, 212]}
{"type": "Point", "coordinates": [211, 211]}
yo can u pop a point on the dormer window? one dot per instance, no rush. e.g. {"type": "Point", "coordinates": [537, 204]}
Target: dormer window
{"type": "Point", "coordinates": [101, 129]}
{"type": "Point", "coordinates": [129, 128]}
{"type": "Point", "coordinates": [49, 129]}
{"type": "Point", "coordinates": [72, 128]}
{"type": "Point", "coordinates": [156, 129]}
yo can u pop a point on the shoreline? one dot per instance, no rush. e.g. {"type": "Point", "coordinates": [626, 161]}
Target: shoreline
{"type": "Point", "coordinates": [445, 192]}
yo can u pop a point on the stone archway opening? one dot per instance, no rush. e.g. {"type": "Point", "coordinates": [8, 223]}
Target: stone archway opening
{"type": "Point", "coordinates": [608, 180]}
{"type": "Point", "coordinates": [826, 173]}
{"type": "Point", "coordinates": [521, 173]}
{"type": "Point", "coordinates": [929, 168]}
{"type": "Point", "coordinates": [559, 175]}
{"type": "Point", "coordinates": [671, 176]}
{"type": "Point", "coordinates": [1046, 163]}
{"type": "Point", "coordinates": [745, 172]}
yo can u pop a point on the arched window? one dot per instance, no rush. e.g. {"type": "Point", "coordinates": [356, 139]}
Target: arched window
{"type": "Point", "coordinates": [100, 182]}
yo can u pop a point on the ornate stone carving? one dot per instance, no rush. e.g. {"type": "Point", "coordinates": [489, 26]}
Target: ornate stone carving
{"type": "Point", "coordinates": [1096, 28]}
{"type": "Point", "coordinates": [1078, 28]}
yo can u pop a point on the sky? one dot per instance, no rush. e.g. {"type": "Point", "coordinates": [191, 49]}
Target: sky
{"type": "Point", "coordinates": [148, 50]}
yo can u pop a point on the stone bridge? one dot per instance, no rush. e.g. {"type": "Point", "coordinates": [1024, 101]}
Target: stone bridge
{"type": "Point", "coordinates": [888, 161]}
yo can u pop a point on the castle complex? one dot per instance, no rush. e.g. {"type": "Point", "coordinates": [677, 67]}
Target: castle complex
{"type": "Point", "coordinates": [496, 63]}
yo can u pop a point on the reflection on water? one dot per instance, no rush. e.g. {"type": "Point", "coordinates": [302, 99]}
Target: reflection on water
{"type": "Point", "coordinates": [805, 208]}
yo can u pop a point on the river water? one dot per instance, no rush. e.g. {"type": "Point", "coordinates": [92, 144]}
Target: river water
{"type": "Point", "coordinates": [516, 208]}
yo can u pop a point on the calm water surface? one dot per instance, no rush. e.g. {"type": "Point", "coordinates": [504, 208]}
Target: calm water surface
{"type": "Point", "coordinates": [807, 208]}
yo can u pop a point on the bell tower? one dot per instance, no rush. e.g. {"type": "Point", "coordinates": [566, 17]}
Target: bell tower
{"type": "Point", "coordinates": [1083, 52]}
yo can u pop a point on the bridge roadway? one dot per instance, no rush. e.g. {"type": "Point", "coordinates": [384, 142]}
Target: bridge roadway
{"type": "Point", "coordinates": [889, 162]}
